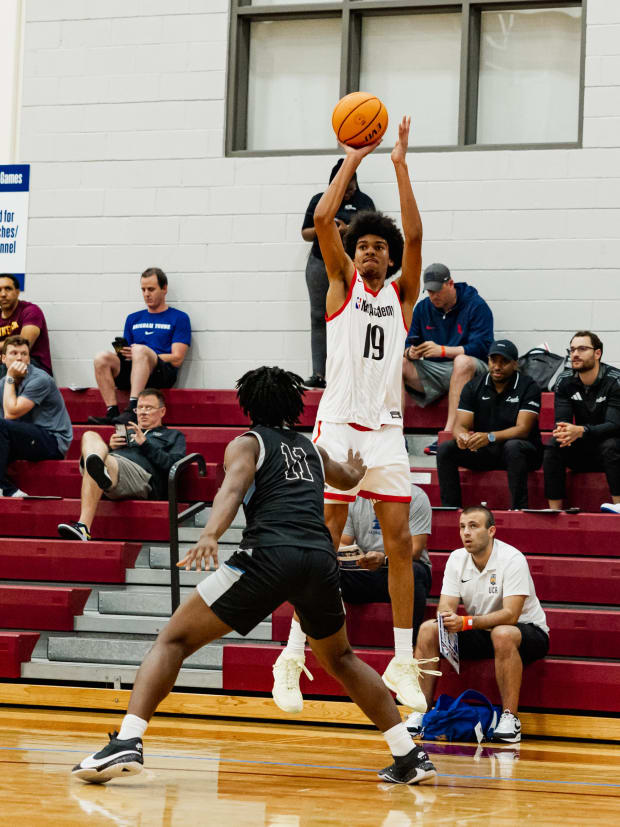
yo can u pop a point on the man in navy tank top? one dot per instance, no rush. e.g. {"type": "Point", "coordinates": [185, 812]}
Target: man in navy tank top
{"type": "Point", "coordinates": [286, 553]}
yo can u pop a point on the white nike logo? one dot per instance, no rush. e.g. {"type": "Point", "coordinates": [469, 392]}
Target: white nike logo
{"type": "Point", "coordinates": [486, 397]}
{"type": "Point", "coordinates": [149, 332]}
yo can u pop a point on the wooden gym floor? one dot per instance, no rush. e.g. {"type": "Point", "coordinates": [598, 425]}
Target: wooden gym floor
{"type": "Point", "coordinates": [242, 774]}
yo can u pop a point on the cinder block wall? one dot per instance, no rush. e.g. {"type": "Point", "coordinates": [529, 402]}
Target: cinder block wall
{"type": "Point", "coordinates": [122, 121]}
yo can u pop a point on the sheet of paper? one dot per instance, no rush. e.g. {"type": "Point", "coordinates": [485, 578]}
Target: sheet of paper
{"type": "Point", "coordinates": [420, 477]}
{"type": "Point", "coordinates": [448, 645]}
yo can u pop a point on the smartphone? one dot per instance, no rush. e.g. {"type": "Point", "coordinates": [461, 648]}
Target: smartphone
{"type": "Point", "coordinates": [121, 430]}
{"type": "Point", "coordinates": [119, 343]}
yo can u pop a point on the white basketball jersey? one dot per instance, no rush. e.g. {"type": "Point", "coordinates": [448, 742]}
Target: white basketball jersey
{"type": "Point", "coordinates": [365, 345]}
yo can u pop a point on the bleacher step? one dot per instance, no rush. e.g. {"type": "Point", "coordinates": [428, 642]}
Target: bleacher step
{"type": "Point", "coordinates": [41, 669]}
{"type": "Point", "coordinates": [123, 650]}
{"type": "Point", "coordinates": [94, 622]}
{"type": "Point", "coordinates": [159, 557]}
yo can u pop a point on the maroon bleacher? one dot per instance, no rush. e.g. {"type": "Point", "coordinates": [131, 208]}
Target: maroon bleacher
{"type": "Point", "coordinates": [15, 649]}
{"type": "Point", "coordinates": [64, 479]}
{"type": "Point", "coordinates": [584, 490]}
{"type": "Point", "coordinates": [127, 520]}
{"type": "Point", "coordinates": [66, 560]}
{"type": "Point", "coordinates": [551, 683]}
{"type": "Point", "coordinates": [41, 607]}
{"type": "Point", "coordinates": [573, 632]}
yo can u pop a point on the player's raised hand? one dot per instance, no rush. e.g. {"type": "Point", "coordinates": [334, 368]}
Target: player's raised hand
{"type": "Point", "coordinates": [202, 554]}
{"type": "Point", "coordinates": [361, 151]}
{"type": "Point", "coordinates": [402, 142]}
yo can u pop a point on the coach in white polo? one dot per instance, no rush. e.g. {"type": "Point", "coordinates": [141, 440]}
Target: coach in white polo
{"type": "Point", "coordinates": [504, 619]}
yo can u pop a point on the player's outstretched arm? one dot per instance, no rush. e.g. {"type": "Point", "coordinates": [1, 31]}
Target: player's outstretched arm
{"type": "Point", "coordinates": [240, 464]}
{"type": "Point", "coordinates": [409, 281]}
{"type": "Point", "coordinates": [337, 263]}
{"type": "Point", "coordinates": [343, 475]}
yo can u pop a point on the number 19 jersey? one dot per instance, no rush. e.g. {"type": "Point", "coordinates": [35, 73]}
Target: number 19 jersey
{"type": "Point", "coordinates": [365, 345]}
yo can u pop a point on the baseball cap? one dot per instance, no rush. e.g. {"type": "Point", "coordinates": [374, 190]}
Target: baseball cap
{"type": "Point", "coordinates": [505, 348]}
{"type": "Point", "coordinates": [435, 276]}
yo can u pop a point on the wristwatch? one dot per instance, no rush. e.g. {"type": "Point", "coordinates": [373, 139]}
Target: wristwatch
{"type": "Point", "coordinates": [491, 437]}
{"type": "Point", "coordinates": [10, 380]}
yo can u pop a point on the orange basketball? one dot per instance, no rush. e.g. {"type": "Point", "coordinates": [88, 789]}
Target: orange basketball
{"type": "Point", "coordinates": [359, 119]}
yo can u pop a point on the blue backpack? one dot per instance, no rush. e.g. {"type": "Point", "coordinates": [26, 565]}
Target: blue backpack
{"type": "Point", "coordinates": [453, 719]}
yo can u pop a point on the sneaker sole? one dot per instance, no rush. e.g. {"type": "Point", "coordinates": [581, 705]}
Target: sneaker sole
{"type": "Point", "coordinates": [421, 775]}
{"type": "Point", "coordinates": [95, 468]}
{"type": "Point", "coordinates": [289, 710]}
{"type": "Point", "coordinates": [507, 739]}
{"type": "Point", "coordinates": [100, 776]}
{"type": "Point", "coordinates": [68, 533]}
{"type": "Point", "coordinates": [392, 687]}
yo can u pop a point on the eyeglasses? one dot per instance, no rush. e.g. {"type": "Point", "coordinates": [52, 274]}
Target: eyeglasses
{"type": "Point", "coordinates": [580, 349]}
{"type": "Point", "coordinates": [147, 408]}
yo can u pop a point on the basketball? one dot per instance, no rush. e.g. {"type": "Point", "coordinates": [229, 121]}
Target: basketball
{"type": "Point", "coordinates": [359, 119]}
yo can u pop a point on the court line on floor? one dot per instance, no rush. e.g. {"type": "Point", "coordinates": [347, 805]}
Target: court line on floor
{"type": "Point", "coordinates": [319, 767]}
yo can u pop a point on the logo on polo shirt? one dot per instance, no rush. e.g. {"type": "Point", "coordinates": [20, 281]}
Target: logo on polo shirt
{"type": "Point", "coordinates": [493, 589]}
{"type": "Point", "coordinates": [512, 399]}
{"type": "Point", "coordinates": [577, 397]}
{"type": "Point", "coordinates": [601, 399]}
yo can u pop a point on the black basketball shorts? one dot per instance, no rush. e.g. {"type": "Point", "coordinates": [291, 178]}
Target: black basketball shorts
{"type": "Point", "coordinates": [253, 583]}
{"type": "Point", "coordinates": [477, 644]}
{"type": "Point", "coordinates": [163, 375]}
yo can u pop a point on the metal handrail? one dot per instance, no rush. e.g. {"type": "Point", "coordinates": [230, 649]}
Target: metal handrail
{"type": "Point", "coordinates": [175, 519]}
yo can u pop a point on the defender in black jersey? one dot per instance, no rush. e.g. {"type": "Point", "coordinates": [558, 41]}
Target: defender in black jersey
{"type": "Point", "coordinates": [286, 554]}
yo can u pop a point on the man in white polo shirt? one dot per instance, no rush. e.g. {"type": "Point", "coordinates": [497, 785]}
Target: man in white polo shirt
{"type": "Point", "coordinates": [504, 619]}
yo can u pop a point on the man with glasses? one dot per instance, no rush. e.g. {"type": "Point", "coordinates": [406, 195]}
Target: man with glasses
{"type": "Point", "coordinates": [586, 436]}
{"type": "Point", "coordinates": [135, 466]}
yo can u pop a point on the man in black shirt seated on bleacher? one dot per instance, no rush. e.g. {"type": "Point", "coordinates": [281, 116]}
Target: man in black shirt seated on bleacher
{"type": "Point", "coordinates": [496, 427]}
{"type": "Point", "coordinates": [587, 422]}
{"type": "Point", "coordinates": [134, 467]}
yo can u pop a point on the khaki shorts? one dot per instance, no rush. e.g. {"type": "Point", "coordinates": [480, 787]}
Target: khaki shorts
{"type": "Point", "coordinates": [133, 481]}
{"type": "Point", "coordinates": [435, 378]}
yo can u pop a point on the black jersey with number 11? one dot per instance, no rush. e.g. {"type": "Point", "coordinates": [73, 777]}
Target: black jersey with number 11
{"type": "Point", "coordinates": [284, 505]}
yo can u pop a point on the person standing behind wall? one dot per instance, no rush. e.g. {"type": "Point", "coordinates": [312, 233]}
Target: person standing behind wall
{"type": "Point", "coordinates": [354, 201]}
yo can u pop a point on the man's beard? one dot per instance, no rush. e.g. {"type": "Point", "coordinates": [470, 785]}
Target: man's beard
{"type": "Point", "coordinates": [585, 366]}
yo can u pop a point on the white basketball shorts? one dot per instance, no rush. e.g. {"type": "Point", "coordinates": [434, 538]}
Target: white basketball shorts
{"type": "Point", "coordinates": [384, 454]}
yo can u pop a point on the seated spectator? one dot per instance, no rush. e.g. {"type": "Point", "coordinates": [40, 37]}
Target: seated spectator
{"type": "Point", "coordinates": [503, 617]}
{"type": "Point", "coordinates": [586, 436]}
{"type": "Point", "coordinates": [448, 342]}
{"type": "Point", "coordinates": [135, 467]}
{"type": "Point", "coordinates": [496, 427]}
{"type": "Point", "coordinates": [366, 583]}
{"type": "Point", "coordinates": [25, 319]}
{"type": "Point", "coordinates": [157, 342]}
{"type": "Point", "coordinates": [353, 202]}
{"type": "Point", "coordinates": [35, 423]}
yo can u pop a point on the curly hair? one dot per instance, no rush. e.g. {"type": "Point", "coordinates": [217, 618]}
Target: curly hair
{"type": "Point", "coordinates": [271, 396]}
{"type": "Point", "coordinates": [369, 222]}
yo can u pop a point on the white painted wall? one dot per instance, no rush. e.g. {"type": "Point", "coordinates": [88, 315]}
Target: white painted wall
{"type": "Point", "coordinates": [11, 24]}
{"type": "Point", "coordinates": [122, 120]}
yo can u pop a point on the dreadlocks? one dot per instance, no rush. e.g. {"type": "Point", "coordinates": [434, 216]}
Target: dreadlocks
{"type": "Point", "coordinates": [271, 396]}
{"type": "Point", "coordinates": [375, 223]}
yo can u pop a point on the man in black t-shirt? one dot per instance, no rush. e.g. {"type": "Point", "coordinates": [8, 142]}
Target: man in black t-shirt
{"type": "Point", "coordinates": [586, 436]}
{"type": "Point", "coordinates": [496, 427]}
{"type": "Point", "coordinates": [354, 201]}
{"type": "Point", "coordinates": [286, 554]}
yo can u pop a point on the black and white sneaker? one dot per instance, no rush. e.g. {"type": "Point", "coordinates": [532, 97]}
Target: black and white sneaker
{"type": "Point", "coordinates": [409, 769]}
{"type": "Point", "coordinates": [508, 731]}
{"type": "Point", "coordinates": [95, 468]}
{"type": "Point", "coordinates": [74, 531]}
{"type": "Point", "coordinates": [116, 759]}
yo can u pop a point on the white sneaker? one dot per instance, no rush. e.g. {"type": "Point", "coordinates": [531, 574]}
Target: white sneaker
{"type": "Point", "coordinates": [509, 728]}
{"type": "Point", "coordinates": [414, 723]}
{"type": "Point", "coordinates": [19, 494]}
{"type": "Point", "coordinates": [286, 692]}
{"type": "Point", "coordinates": [611, 508]}
{"type": "Point", "coordinates": [402, 676]}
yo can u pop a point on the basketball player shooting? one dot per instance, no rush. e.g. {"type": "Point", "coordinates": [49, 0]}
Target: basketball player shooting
{"type": "Point", "coordinates": [286, 553]}
{"type": "Point", "coordinates": [367, 323]}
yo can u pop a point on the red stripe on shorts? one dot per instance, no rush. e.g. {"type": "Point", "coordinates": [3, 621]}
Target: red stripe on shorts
{"type": "Point", "coordinates": [388, 498]}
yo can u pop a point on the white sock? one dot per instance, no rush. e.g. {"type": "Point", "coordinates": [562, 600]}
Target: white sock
{"type": "Point", "coordinates": [132, 727]}
{"type": "Point", "coordinates": [403, 643]}
{"type": "Point", "coordinates": [296, 640]}
{"type": "Point", "coordinates": [398, 740]}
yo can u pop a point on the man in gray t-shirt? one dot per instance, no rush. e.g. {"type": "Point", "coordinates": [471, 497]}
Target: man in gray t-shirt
{"type": "Point", "coordinates": [367, 581]}
{"type": "Point", "coordinates": [35, 424]}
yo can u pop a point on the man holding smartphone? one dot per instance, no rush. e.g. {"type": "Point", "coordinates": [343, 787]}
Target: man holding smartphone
{"type": "Point", "coordinates": [134, 466]}
{"type": "Point", "coordinates": [154, 344]}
